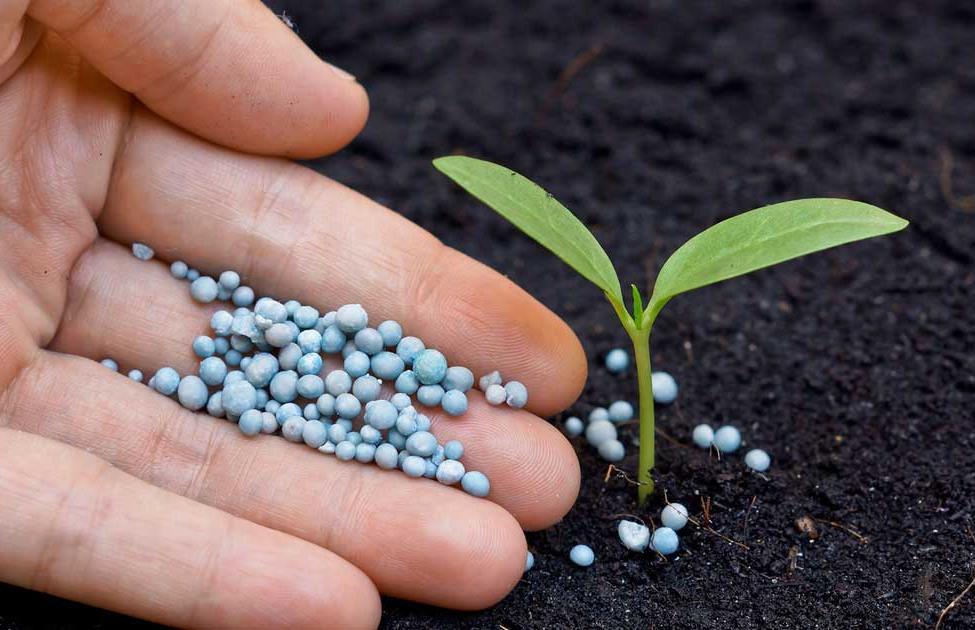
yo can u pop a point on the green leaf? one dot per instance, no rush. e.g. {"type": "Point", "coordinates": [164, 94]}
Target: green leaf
{"type": "Point", "coordinates": [637, 303]}
{"type": "Point", "coordinates": [538, 214]}
{"type": "Point", "coordinates": [764, 237]}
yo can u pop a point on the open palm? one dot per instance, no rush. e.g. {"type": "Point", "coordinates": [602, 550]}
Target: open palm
{"type": "Point", "coordinates": [134, 120]}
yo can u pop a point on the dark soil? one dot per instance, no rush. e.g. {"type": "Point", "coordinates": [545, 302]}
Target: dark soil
{"type": "Point", "coordinates": [855, 368]}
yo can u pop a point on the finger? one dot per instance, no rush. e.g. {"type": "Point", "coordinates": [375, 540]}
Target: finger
{"type": "Point", "coordinates": [414, 538]}
{"type": "Point", "coordinates": [296, 234]}
{"type": "Point", "coordinates": [78, 528]}
{"type": "Point", "coordinates": [227, 70]}
{"type": "Point", "coordinates": [121, 307]}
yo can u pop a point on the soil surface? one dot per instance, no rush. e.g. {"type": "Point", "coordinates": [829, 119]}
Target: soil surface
{"type": "Point", "coordinates": [854, 368]}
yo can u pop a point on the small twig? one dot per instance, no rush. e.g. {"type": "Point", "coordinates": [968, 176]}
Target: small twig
{"type": "Point", "coordinates": [706, 510]}
{"type": "Point", "coordinates": [711, 530]}
{"type": "Point", "coordinates": [954, 603]}
{"type": "Point", "coordinates": [966, 203]}
{"type": "Point", "coordinates": [620, 474]}
{"type": "Point", "coordinates": [846, 528]}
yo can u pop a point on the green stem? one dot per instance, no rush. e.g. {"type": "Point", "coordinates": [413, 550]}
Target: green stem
{"type": "Point", "coordinates": [641, 350]}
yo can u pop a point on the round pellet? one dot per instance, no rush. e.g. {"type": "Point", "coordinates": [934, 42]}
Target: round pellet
{"type": "Point", "coordinates": [453, 449]}
{"type": "Point", "coordinates": [617, 360]}
{"type": "Point", "coordinates": [414, 466]}
{"type": "Point", "coordinates": [408, 348]}
{"type": "Point", "coordinates": [251, 422]}
{"type": "Point", "coordinates": [727, 439]}
{"type": "Point", "coordinates": [178, 269]}
{"type": "Point", "coordinates": [517, 394]}
{"type": "Point", "coordinates": [192, 392]}
{"type": "Point", "coordinates": [293, 429]}
{"type": "Point", "coordinates": [204, 289]}
{"type": "Point", "coordinates": [703, 435]}
{"type": "Point", "coordinates": [345, 451]}
{"type": "Point", "coordinates": [454, 402]}
{"type": "Point", "coordinates": [582, 555]}
{"type": "Point", "coordinates": [758, 460]}
{"type": "Point", "coordinates": [391, 333]}
{"type": "Point", "coordinates": [674, 516]}
{"type": "Point", "coordinates": [314, 433]}
{"type": "Point", "coordinates": [421, 443]}
{"type": "Point", "coordinates": [406, 383]}
{"type": "Point", "coordinates": [664, 387]}
{"type": "Point", "coordinates": [634, 536]}
{"type": "Point", "coordinates": [387, 366]}
{"type": "Point", "coordinates": [599, 432]}
{"type": "Point", "coordinates": [458, 377]}
{"type": "Point", "coordinates": [475, 483]}
{"type": "Point", "coordinates": [495, 394]}
{"type": "Point", "coordinates": [573, 427]}
{"type": "Point", "coordinates": [612, 451]}
{"type": "Point", "coordinates": [665, 541]}
{"type": "Point", "coordinates": [284, 386]}
{"type": "Point", "coordinates": [430, 395]}
{"type": "Point", "coordinates": [386, 456]}
{"type": "Point", "coordinates": [213, 370]}
{"type": "Point", "coordinates": [620, 411]}
{"type": "Point", "coordinates": [450, 471]}
{"type": "Point", "coordinates": [166, 380]}
{"type": "Point", "coordinates": [351, 318]}
{"type": "Point", "coordinates": [366, 388]}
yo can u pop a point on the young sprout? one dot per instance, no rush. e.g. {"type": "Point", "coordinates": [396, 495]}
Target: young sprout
{"type": "Point", "coordinates": [736, 246]}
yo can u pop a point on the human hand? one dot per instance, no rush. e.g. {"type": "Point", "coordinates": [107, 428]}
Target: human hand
{"type": "Point", "coordinates": [130, 120]}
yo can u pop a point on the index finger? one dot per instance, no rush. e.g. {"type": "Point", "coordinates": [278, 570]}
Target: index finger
{"type": "Point", "coordinates": [227, 70]}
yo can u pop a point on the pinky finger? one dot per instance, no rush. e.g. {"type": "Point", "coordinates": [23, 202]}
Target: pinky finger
{"type": "Point", "coordinates": [76, 527]}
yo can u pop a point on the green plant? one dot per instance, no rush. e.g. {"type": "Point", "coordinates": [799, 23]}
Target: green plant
{"type": "Point", "coordinates": [746, 242]}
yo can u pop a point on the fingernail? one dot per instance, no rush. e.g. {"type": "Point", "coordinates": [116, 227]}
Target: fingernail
{"type": "Point", "coordinates": [342, 73]}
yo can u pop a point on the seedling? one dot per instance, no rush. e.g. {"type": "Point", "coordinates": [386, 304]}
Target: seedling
{"type": "Point", "coordinates": [736, 246]}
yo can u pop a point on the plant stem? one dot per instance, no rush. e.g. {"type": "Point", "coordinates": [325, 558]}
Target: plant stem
{"type": "Point", "coordinates": [641, 351]}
